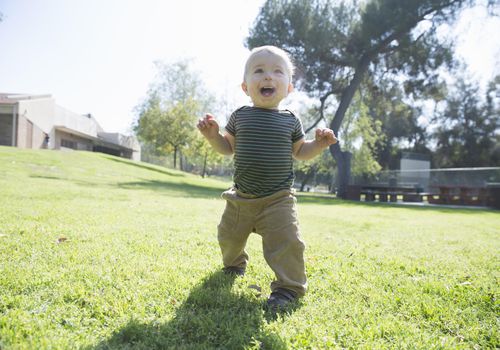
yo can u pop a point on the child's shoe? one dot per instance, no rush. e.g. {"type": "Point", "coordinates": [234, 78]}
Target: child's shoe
{"type": "Point", "coordinates": [233, 270]}
{"type": "Point", "coordinates": [280, 298]}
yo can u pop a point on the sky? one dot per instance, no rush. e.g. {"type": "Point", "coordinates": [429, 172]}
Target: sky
{"type": "Point", "coordinates": [97, 56]}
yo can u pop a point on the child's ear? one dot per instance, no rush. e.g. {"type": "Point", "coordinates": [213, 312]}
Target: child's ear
{"type": "Point", "coordinates": [244, 87]}
{"type": "Point", "coordinates": [290, 87]}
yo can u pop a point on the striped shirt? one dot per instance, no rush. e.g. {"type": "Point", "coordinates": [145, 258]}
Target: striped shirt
{"type": "Point", "coordinates": [263, 162]}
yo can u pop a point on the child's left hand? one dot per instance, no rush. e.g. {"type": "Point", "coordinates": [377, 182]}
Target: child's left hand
{"type": "Point", "coordinates": [325, 137]}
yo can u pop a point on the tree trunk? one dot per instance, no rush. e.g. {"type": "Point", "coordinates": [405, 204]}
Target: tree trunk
{"type": "Point", "coordinates": [308, 177]}
{"type": "Point", "coordinates": [175, 157]}
{"type": "Point", "coordinates": [204, 171]}
{"type": "Point", "coordinates": [343, 160]}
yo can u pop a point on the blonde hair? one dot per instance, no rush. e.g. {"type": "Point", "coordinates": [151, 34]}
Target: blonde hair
{"type": "Point", "coordinates": [275, 51]}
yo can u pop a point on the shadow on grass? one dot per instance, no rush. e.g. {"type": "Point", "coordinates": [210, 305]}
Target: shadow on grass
{"type": "Point", "coordinates": [173, 189]}
{"type": "Point", "coordinates": [317, 199]}
{"type": "Point", "coordinates": [144, 166]}
{"type": "Point", "coordinates": [77, 182]}
{"type": "Point", "coordinates": [212, 317]}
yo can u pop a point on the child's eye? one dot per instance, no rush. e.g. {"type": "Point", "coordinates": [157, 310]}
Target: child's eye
{"type": "Point", "coordinates": [258, 70]}
{"type": "Point", "coordinates": [279, 71]}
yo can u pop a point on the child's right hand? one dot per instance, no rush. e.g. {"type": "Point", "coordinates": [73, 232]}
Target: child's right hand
{"type": "Point", "coordinates": [208, 126]}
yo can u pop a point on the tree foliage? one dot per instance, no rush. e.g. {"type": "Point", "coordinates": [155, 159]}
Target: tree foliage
{"type": "Point", "coordinates": [334, 43]}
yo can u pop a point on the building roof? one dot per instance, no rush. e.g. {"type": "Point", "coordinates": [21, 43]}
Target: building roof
{"type": "Point", "coordinates": [11, 98]}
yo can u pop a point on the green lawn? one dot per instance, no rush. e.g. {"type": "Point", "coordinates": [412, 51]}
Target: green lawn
{"type": "Point", "coordinates": [101, 253]}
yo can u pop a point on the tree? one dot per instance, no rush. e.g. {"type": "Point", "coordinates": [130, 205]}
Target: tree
{"type": "Point", "coordinates": [336, 45]}
{"type": "Point", "coordinates": [468, 132]}
{"type": "Point", "coordinates": [362, 137]}
{"type": "Point", "coordinates": [176, 98]}
{"type": "Point", "coordinates": [168, 129]}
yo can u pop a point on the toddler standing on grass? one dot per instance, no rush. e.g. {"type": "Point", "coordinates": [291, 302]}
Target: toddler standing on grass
{"type": "Point", "coordinates": [264, 141]}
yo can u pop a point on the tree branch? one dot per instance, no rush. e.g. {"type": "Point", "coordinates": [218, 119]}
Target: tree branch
{"type": "Point", "coordinates": [321, 111]}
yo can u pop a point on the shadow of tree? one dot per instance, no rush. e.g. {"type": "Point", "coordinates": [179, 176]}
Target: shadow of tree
{"type": "Point", "coordinates": [174, 189]}
{"type": "Point", "coordinates": [212, 317]}
{"type": "Point", "coordinates": [144, 166]}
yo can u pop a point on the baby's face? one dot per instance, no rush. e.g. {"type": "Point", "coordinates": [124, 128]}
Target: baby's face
{"type": "Point", "coordinates": [267, 80]}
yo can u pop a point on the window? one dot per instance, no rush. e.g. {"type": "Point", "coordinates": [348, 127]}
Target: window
{"type": "Point", "coordinates": [68, 144]}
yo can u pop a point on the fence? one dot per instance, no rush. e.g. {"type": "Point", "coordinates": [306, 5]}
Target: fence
{"type": "Point", "coordinates": [431, 178]}
{"type": "Point", "coordinates": [460, 186]}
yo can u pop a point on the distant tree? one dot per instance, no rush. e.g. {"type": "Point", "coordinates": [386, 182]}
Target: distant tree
{"type": "Point", "coordinates": [337, 44]}
{"type": "Point", "coordinates": [314, 171]}
{"type": "Point", "coordinates": [167, 128]}
{"type": "Point", "coordinates": [468, 134]}
{"type": "Point", "coordinates": [175, 100]}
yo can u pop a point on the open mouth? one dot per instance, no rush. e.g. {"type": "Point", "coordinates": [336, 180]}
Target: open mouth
{"type": "Point", "coordinates": [267, 91]}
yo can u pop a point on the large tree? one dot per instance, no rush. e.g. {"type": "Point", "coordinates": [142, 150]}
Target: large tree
{"type": "Point", "coordinates": [336, 45]}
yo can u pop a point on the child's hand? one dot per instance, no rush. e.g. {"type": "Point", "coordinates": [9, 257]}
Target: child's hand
{"type": "Point", "coordinates": [325, 137]}
{"type": "Point", "coordinates": [208, 126]}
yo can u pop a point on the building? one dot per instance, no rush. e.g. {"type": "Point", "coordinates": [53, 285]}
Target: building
{"type": "Point", "coordinates": [415, 169]}
{"type": "Point", "coordinates": [36, 121]}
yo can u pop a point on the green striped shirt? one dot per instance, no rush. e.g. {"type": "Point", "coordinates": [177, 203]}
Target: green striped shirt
{"type": "Point", "coordinates": [263, 162]}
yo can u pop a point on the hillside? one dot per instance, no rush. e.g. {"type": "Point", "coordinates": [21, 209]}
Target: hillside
{"type": "Point", "coordinates": [81, 171]}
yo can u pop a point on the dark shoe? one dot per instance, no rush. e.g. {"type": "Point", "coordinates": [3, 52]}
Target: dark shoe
{"type": "Point", "coordinates": [280, 298]}
{"type": "Point", "coordinates": [233, 270]}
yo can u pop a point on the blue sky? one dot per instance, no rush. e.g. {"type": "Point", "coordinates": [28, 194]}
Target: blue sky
{"type": "Point", "coordinates": [96, 56]}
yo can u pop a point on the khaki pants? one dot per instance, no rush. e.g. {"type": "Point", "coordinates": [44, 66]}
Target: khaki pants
{"type": "Point", "coordinates": [274, 218]}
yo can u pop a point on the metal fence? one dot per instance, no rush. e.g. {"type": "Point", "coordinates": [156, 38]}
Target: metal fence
{"type": "Point", "coordinates": [431, 178]}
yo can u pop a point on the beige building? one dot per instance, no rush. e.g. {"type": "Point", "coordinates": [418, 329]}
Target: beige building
{"type": "Point", "coordinates": [36, 121]}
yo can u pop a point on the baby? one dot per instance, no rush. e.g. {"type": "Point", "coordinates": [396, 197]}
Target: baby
{"type": "Point", "coordinates": [264, 141]}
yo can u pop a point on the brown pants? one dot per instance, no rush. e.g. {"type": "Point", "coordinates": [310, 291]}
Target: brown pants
{"type": "Point", "coordinates": [274, 218]}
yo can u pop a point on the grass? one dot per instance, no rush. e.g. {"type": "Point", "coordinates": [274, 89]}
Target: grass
{"type": "Point", "coordinates": [101, 253]}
